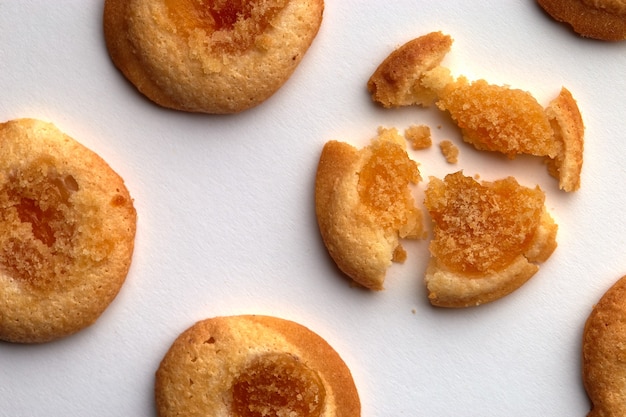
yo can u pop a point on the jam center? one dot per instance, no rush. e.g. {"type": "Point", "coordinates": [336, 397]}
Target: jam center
{"type": "Point", "coordinates": [278, 384]}
{"type": "Point", "coordinates": [230, 25]}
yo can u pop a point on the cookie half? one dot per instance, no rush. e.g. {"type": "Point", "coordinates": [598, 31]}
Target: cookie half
{"type": "Point", "coordinates": [364, 205]}
{"type": "Point", "coordinates": [67, 229]}
{"type": "Point", "coordinates": [489, 238]}
{"type": "Point", "coordinates": [604, 353]}
{"type": "Point", "coordinates": [249, 365]}
{"type": "Point", "coordinates": [209, 56]}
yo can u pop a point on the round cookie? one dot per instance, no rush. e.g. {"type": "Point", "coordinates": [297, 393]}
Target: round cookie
{"type": "Point", "coordinates": [67, 228]}
{"type": "Point", "coordinates": [598, 19]}
{"type": "Point", "coordinates": [604, 353]}
{"type": "Point", "coordinates": [248, 366]}
{"type": "Point", "coordinates": [209, 56]}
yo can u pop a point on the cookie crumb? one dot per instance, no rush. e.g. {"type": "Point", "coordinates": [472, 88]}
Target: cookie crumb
{"type": "Point", "coordinates": [449, 151]}
{"type": "Point", "coordinates": [419, 136]}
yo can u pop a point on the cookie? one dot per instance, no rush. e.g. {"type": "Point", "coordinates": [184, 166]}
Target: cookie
{"type": "Point", "coordinates": [67, 228]}
{"type": "Point", "coordinates": [249, 366]}
{"type": "Point", "coordinates": [489, 238]}
{"type": "Point", "coordinates": [598, 19]}
{"type": "Point", "coordinates": [604, 353]}
{"type": "Point", "coordinates": [364, 206]}
{"type": "Point", "coordinates": [209, 56]}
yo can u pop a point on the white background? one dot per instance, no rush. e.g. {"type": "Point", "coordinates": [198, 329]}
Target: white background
{"type": "Point", "coordinates": [227, 225]}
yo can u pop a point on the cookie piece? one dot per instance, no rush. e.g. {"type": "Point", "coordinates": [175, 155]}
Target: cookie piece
{"type": "Point", "coordinates": [598, 19]}
{"type": "Point", "coordinates": [364, 205]}
{"type": "Point", "coordinates": [250, 366]}
{"type": "Point", "coordinates": [488, 238]}
{"type": "Point", "coordinates": [67, 228]}
{"type": "Point", "coordinates": [569, 132]}
{"type": "Point", "coordinates": [604, 353]}
{"type": "Point", "coordinates": [398, 79]}
{"type": "Point", "coordinates": [498, 118]}
{"type": "Point", "coordinates": [209, 56]}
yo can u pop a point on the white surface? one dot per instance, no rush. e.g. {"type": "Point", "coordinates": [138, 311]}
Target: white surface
{"type": "Point", "coordinates": [227, 226]}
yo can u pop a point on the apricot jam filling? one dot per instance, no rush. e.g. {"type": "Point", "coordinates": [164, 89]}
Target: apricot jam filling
{"type": "Point", "coordinates": [482, 227]}
{"type": "Point", "coordinates": [231, 24]}
{"type": "Point", "coordinates": [277, 384]}
{"type": "Point", "coordinates": [383, 182]}
{"type": "Point", "coordinates": [37, 223]}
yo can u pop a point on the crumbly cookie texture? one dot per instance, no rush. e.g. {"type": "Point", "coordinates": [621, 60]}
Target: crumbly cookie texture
{"type": "Point", "coordinates": [209, 56]}
{"type": "Point", "coordinates": [603, 353]}
{"type": "Point", "coordinates": [491, 117]}
{"type": "Point", "coordinates": [450, 151]}
{"type": "Point", "coordinates": [598, 19]}
{"type": "Point", "coordinates": [67, 228]}
{"type": "Point", "coordinates": [498, 118]}
{"type": "Point", "coordinates": [250, 366]}
{"type": "Point", "coordinates": [418, 136]}
{"type": "Point", "coordinates": [364, 205]}
{"type": "Point", "coordinates": [488, 238]}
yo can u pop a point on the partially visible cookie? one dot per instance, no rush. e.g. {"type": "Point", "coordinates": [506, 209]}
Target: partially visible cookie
{"type": "Point", "coordinates": [599, 19]}
{"type": "Point", "coordinates": [398, 79]}
{"type": "Point", "coordinates": [488, 238]}
{"type": "Point", "coordinates": [364, 205]}
{"type": "Point", "coordinates": [209, 56]}
{"type": "Point", "coordinates": [252, 366]}
{"type": "Point", "coordinates": [67, 229]}
{"type": "Point", "coordinates": [604, 353]}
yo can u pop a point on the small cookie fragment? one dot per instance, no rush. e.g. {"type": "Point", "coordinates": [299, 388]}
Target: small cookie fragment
{"type": "Point", "coordinates": [449, 151]}
{"type": "Point", "coordinates": [419, 136]}
{"type": "Point", "coordinates": [252, 366]}
{"type": "Point", "coordinates": [364, 205]}
{"type": "Point", "coordinates": [397, 80]}
{"type": "Point", "coordinates": [209, 56]}
{"type": "Point", "coordinates": [598, 19]}
{"type": "Point", "coordinates": [67, 229]}
{"type": "Point", "coordinates": [488, 238]}
{"type": "Point", "coordinates": [604, 353]}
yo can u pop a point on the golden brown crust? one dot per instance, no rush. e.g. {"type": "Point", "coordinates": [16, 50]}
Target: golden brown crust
{"type": "Point", "coordinates": [599, 19]}
{"type": "Point", "coordinates": [397, 80]}
{"type": "Point", "coordinates": [364, 206]}
{"type": "Point", "coordinates": [604, 353]}
{"type": "Point", "coordinates": [569, 132]}
{"type": "Point", "coordinates": [173, 53]}
{"type": "Point", "coordinates": [488, 238]}
{"type": "Point", "coordinates": [196, 376]}
{"type": "Point", "coordinates": [67, 233]}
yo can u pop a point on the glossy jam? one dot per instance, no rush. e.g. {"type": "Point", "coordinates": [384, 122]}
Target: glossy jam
{"type": "Point", "coordinates": [278, 384]}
